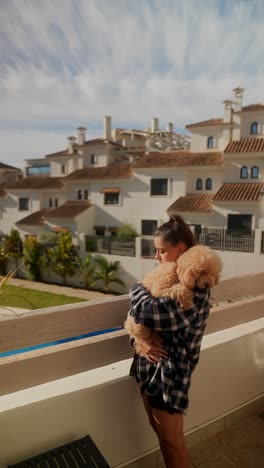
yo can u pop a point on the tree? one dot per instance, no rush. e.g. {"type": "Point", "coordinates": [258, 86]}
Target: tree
{"type": "Point", "coordinates": [104, 271]}
{"type": "Point", "coordinates": [3, 261]}
{"type": "Point", "coordinates": [47, 240]}
{"type": "Point", "coordinates": [32, 257]}
{"type": "Point", "coordinates": [88, 270]}
{"type": "Point", "coordinates": [126, 230]}
{"type": "Point", "coordinates": [13, 246]}
{"type": "Point", "coordinates": [63, 257]}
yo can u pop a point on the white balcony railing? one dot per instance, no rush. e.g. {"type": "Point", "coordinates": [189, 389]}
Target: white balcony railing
{"type": "Point", "coordinates": [53, 395]}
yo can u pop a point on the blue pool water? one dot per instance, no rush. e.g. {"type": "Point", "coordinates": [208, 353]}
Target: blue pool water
{"type": "Point", "coordinates": [65, 340]}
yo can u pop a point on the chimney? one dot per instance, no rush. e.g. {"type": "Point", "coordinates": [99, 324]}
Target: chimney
{"type": "Point", "coordinates": [170, 127]}
{"type": "Point", "coordinates": [228, 111]}
{"type": "Point", "coordinates": [72, 142]}
{"type": "Point", "coordinates": [107, 127]}
{"type": "Point", "coordinates": [238, 98]}
{"type": "Point", "coordinates": [81, 135]}
{"type": "Point", "coordinates": [154, 124]}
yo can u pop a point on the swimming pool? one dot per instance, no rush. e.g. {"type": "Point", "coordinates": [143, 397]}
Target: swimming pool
{"type": "Point", "coordinates": [64, 340]}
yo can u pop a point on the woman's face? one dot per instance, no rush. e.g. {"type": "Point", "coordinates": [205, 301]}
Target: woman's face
{"type": "Point", "coordinates": [167, 252]}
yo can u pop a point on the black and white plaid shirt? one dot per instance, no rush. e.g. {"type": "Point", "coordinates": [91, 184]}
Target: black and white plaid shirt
{"type": "Point", "coordinates": [181, 332]}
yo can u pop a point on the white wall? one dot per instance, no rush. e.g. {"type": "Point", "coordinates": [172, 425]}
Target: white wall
{"type": "Point", "coordinates": [200, 136]}
{"type": "Point", "coordinates": [233, 164]}
{"type": "Point", "coordinates": [247, 119]}
{"type": "Point", "coordinates": [222, 209]}
{"type": "Point", "coordinates": [101, 153]}
{"type": "Point", "coordinates": [10, 206]}
{"type": "Point", "coordinates": [105, 402]}
{"type": "Point", "coordinates": [216, 174]}
{"type": "Point", "coordinates": [136, 203]}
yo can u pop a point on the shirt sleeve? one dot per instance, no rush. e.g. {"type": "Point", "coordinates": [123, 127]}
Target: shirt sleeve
{"type": "Point", "coordinates": [162, 314]}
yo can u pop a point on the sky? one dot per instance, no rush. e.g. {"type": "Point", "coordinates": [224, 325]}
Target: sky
{"type": "Point", "coordinates": [67, 63]}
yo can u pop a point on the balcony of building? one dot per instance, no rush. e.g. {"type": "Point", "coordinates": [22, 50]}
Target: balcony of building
{"type": "Point", "coordinates": [56, 394]}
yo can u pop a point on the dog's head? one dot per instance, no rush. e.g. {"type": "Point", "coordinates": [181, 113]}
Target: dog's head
{"type": "Point", "coordinates": [199, 266]}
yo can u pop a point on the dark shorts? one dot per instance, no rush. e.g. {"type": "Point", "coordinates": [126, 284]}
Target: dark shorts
{"type": "Point", "coordinates": [157, 402]}
{"type": "Point", "coordinates": [154, 401]}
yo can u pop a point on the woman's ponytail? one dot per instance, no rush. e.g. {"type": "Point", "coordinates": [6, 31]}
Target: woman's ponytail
{"type": "Point", "coordinates": [175, 231]}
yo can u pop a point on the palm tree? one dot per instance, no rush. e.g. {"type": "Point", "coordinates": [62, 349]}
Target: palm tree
{"type": "Point", "coordinates": [88, 269]}
{"type": "Point", "coordinates": [104, 271]}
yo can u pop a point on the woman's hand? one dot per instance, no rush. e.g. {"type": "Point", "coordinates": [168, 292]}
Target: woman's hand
{"type": "Point", "coordinates": [152, 352]}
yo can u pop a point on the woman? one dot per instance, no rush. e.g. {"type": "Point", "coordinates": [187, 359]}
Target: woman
{"type": "Point", "coordinates": [164, 373]}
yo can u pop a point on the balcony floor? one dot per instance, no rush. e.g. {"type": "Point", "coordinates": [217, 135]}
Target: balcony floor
{"type": "Point", "coordinates": [239, 446]}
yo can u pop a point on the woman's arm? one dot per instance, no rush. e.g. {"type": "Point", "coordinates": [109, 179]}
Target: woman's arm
{"type": "Point", "coordinates": [163, 314]}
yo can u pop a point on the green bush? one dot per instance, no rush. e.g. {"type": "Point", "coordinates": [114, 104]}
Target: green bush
{"type": "Point", "coordinates": [32, 258]}
{"type": "Point", "coordinates": [3, 261]}
{"type": "Point", "coordinates": [126, 230]}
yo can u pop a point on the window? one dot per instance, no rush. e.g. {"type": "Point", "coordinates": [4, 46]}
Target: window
{"type": "Point", "coordinates": [111, 198]}
{"type": "Point", "coordinates": [38, 170]}
{"type": "Point", "coordinates": [23, 204]}
{"type": "Point", "coordinates": [93, 159]}
{"type": "Point", "coordinates": [244, 172]}
{"type": "Point", "coordinates": [199, 184]}
{"type": "Point", "coordinates": [254, 172]}
{"type": "Point", "coordinates": [50, 202]}
{"type": "Point", "coordinates": [159, 187]}
{"type": "Point", "coordinates": [79, 195]}
{"type": "Point", "coordinates": [63, 169]}
{"type": "Point", "coordinates": [86, 194]}
{"type": "Point", "coordinates": [148, 227]}
{"type": "Point", "coordinates": [208, 184]}
{"type": "Point", "coordinates": [56, 202]}
{"type": "Point", "coordinates": [239, 222]}
{"type": "Point", "coordinates": [210, 142]}
{"type": "Point", "coordinates": [99, 231]}
{"type": "Point", "coordinates": [254, 128]}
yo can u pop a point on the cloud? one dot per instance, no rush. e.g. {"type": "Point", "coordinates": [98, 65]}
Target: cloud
{"type": "Point", "coordinates": [67, 63]}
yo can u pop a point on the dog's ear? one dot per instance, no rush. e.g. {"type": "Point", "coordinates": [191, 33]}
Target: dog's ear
{"type": "Point", "coordinates": [186, 277]}
{"type": "Point", "coordinates": [207, 280]}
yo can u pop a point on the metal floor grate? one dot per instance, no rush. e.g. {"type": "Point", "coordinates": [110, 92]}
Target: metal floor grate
{"type": "Point", "coordinates": [79, 453]}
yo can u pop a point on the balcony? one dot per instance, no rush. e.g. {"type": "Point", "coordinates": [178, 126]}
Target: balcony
{"type": "Point", "coordinates": [53, 395]}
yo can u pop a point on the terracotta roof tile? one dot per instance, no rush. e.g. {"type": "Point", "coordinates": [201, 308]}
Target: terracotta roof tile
{"type": "Point", "coordinates": [110, 190]}
{"type": "Point", "coordinates": [60, 229]}
{"type": "Point", "coordinates": [253, 107]}
{"type": "Point", "coordinates": [34, 219]}
{"type": "Point", "coordinates": [70, 209]}
{"type": "Point", "coordinates": [95, 141]}
{"type": "Point", "coordinates": [239, 192]}
{"type": "Point", "coordinates": [180, 159]}
{"type": "Point", "coordinates": [6, 166]}
{"type": "Point", "coordinates": [37, 182]}
{"type": "Point", "coordinates": [206, 123]}
{"type": "Point", "coordinates": [192, 203]}
{"type": "Point", "coordinates": [245, 145]}
{"type": "Point", "coordinates": [115, 171]}
{"type": "Point", "coordinates": [2, 191]}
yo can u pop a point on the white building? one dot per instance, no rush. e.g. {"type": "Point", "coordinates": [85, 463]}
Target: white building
{"type": "Point", "coordinates": [7, 174]}
{"type": "Point", "coordinates": [94, 186]}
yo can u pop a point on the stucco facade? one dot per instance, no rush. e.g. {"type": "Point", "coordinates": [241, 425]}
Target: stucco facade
{"type": "Point", "coordinates": [220, 149]}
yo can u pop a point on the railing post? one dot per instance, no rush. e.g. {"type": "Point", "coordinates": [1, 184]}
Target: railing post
{"type": "Point", "coordinates": [138, 247]}
{"type": "Point", "coordinates": [223, 238]}
{"type": "Point", "coordinates": [258, 242]}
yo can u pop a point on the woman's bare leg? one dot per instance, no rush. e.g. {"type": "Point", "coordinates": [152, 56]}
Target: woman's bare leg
{"type": "Point", "coordinates": [149, 412]}
{"type": "Point", "coordinates": [171, 437]}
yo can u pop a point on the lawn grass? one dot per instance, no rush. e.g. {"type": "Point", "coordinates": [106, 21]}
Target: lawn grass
{"type": "Point", "coordinates": [32, 299]}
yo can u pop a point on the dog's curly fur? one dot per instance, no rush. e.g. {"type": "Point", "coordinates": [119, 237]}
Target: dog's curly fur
{"type": "Point", "coordinates": [198, 266]}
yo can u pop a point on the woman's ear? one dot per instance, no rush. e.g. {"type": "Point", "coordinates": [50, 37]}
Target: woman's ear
{"type": "Point", "coordinates": [182, 248]}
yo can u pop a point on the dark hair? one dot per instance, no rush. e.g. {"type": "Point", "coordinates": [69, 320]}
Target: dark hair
{"type": "Point", "coordinates": [175, 231]}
